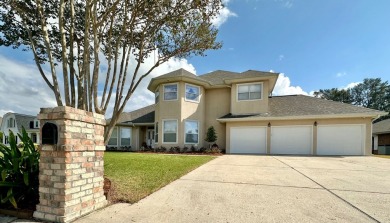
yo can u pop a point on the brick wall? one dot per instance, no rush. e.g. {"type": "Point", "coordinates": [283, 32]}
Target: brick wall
{"type": "Point", "coordinates": [71, 172]}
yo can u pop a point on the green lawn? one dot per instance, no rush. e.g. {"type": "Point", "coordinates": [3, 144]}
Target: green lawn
{"type": "Point", "coordinates": [134, 176]}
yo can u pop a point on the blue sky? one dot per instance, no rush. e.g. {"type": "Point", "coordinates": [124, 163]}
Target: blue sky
{"type": "Point", "coordinates": [314, 44]}
{"type": "Point", "coordinates": [317, 44]}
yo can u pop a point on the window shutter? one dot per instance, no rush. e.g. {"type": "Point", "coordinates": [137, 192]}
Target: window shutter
{"type": "Point", "coordinates": [31, 124]}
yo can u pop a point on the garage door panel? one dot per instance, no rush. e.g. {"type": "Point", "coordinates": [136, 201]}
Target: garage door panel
{"type": "Point", "coordinates": [248, 140]}
{"type": "Point", "coordinates": [340, 140]}
{"type": "Point", "coordinates": [291, 140]}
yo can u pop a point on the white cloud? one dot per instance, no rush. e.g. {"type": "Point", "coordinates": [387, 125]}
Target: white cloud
{"type": "Point", "coordinates": [350, 85]}
{"type": "Point", "coordinates": [224, 14]}
{"type": "Point", "coordinates": [286, 3]}
{"type": "Point", "coordinates": [22, 88]}
{"type": "Point", "coordinates": [283, 87]}
{"type": "Point", "coordinates": [281, 57]}
{"type": "Point", "coordinates": [341, 74]}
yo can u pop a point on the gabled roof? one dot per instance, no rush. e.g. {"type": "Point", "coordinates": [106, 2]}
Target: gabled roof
{"type": "Point", "coordinates": [381, 127]}
{"type": "Point", "coordinates": [129, 117]}
{"type": "Point", "coordinates": [300, 106]}
{"type": "Point", "coordinates": [23, 120]}
{"type": "Point", "coordinates": [214, 79]}
{"type": "Point", "coordinates": [145, 119]}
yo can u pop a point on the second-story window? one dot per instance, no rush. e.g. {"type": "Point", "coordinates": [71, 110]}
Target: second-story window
{"type": "Point", "coordinates": [11, 123]}
{"type": "Point", "coordinates": [170, 92]}
{"type": "Point", "coordinates": [36, 124]}
{"type": "Point", "coordinates": [249, 91]}
{"type": "Point", "coordinates": [192, 93]}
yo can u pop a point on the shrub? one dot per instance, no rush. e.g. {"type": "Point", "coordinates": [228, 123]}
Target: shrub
{"type": "Point", "coordinates": [214, 149]}
{"type": "Point", "coordinates": [185, 149]}
{"type": "Point", "coordinates": [19, 170]}
{"type": "Point", "coordinates": [175, 149]}
{"type": "Point", "coordinates": [202, 150]}
{"type": "Point", "coordinates": [163, 149]}
{"type": "Point", "coordinates": [193, 149]}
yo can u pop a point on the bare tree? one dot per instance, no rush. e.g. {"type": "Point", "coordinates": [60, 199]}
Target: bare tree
{"type": "Point", "coordinates": [72, 37]}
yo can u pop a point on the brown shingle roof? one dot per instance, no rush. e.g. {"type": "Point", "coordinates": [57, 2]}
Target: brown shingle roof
{"type": "Point", "coordinates": [295, 105]}
{"type": "Point", "coordinates": [129, 116]}
{"type": "Point", "coordinates": [381, 127]}
{"type": "Point", "coordinates": [220, 76]}
{"type": "Point", "coordinates": [213, 79]}
{"type": "Point", "coordinates": [177, 73]}
{"type": "Point", "coordinates": [301, 106]}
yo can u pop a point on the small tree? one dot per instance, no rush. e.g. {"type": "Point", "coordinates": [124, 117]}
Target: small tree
{"type": "Point", "coordinates": [211, 135]}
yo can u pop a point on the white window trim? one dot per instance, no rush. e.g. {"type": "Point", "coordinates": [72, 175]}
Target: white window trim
{"type": "Point", "coordinates": [156, 133]}
{"type": "Point", "coordinates": [117, 137]}
{"type": "Point", "coordinates": [11, 123]}
{"type": "Point", "coordinates": [261, 93]}
{"type": "Point", "coordinates": [177, 92]}
{"type": "Point", "coordinates": [185, 93]}
{"type": "Point", "coordinates": [190, 143]}
{"type": "Point", "coordinates": [163, 132]}
{"type": "Point", "coordinates": [119, 141]}
{"type": "Point", "coordinates": [159, 96]}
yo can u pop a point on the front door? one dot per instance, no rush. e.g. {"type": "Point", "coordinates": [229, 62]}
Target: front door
{"type": "Point", "coordinates": [150, 137]}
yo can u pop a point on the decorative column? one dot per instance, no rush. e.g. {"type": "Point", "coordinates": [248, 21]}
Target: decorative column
{"type": "Point", "coordinates": [71, 165]}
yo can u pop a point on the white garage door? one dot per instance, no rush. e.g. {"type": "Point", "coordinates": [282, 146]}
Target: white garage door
{"type": "Point", "coordinates": [340, 140]}
{"type": "Point", "coordinates": [248, 140]}
{"type": "Point", "coordinates": [291, 140]}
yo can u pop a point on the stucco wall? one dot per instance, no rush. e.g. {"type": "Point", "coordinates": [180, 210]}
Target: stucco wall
{"type": "Point", "coordinates": [364, 121]}
{"type": "Point", "coordinates": [218, 105]}
{"type": "Point", "coordinates": [180, 110]}
{"type": "Point", "coordinates": [251, 106]}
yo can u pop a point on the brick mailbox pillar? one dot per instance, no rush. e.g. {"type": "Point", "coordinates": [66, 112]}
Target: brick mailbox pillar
{"type": "Point", "coordinates": [71, 164]}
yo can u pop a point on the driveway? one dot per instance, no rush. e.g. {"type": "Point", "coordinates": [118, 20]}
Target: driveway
{"type": "Point", "coordinates": [240, 188]}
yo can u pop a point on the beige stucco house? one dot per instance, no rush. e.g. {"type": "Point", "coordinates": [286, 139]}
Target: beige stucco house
{"type": "Point", "coordinates": [247, 118]}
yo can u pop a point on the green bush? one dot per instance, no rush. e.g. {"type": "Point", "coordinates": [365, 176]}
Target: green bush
{"type": "Point", "coordinates": [19, 168]}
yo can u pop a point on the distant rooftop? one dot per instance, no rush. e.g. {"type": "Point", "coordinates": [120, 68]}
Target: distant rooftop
{"type": "Point", "coordinates": [381, 127]}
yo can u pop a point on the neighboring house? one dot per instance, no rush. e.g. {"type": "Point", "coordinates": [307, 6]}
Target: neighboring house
{"type": "Point", "coordinates": [14, 122]}
{"type": "Point", "coordinates": [381, 137]}
{"type": "Point", "coordinates": [246, 117]}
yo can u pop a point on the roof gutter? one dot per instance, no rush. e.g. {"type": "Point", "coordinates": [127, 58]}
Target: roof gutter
{"type": "Point", "coordinates": [256, 118]}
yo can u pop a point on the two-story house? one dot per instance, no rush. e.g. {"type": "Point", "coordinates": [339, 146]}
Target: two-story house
{"type": "Point", "coordinates": [15, 122]}
{"type": "Point", "coordinates": [247, 118]}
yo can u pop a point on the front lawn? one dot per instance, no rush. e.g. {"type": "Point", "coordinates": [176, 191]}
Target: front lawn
{"type": "Point", "coordinates": [135, 176]}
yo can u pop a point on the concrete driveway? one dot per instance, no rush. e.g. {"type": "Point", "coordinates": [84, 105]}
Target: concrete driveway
{"type": "Point", "coordinates": [240, 188]}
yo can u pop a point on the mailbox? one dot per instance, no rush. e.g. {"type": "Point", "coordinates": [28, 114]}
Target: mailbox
{"type": "Point", "coordinates": [49, 134]}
